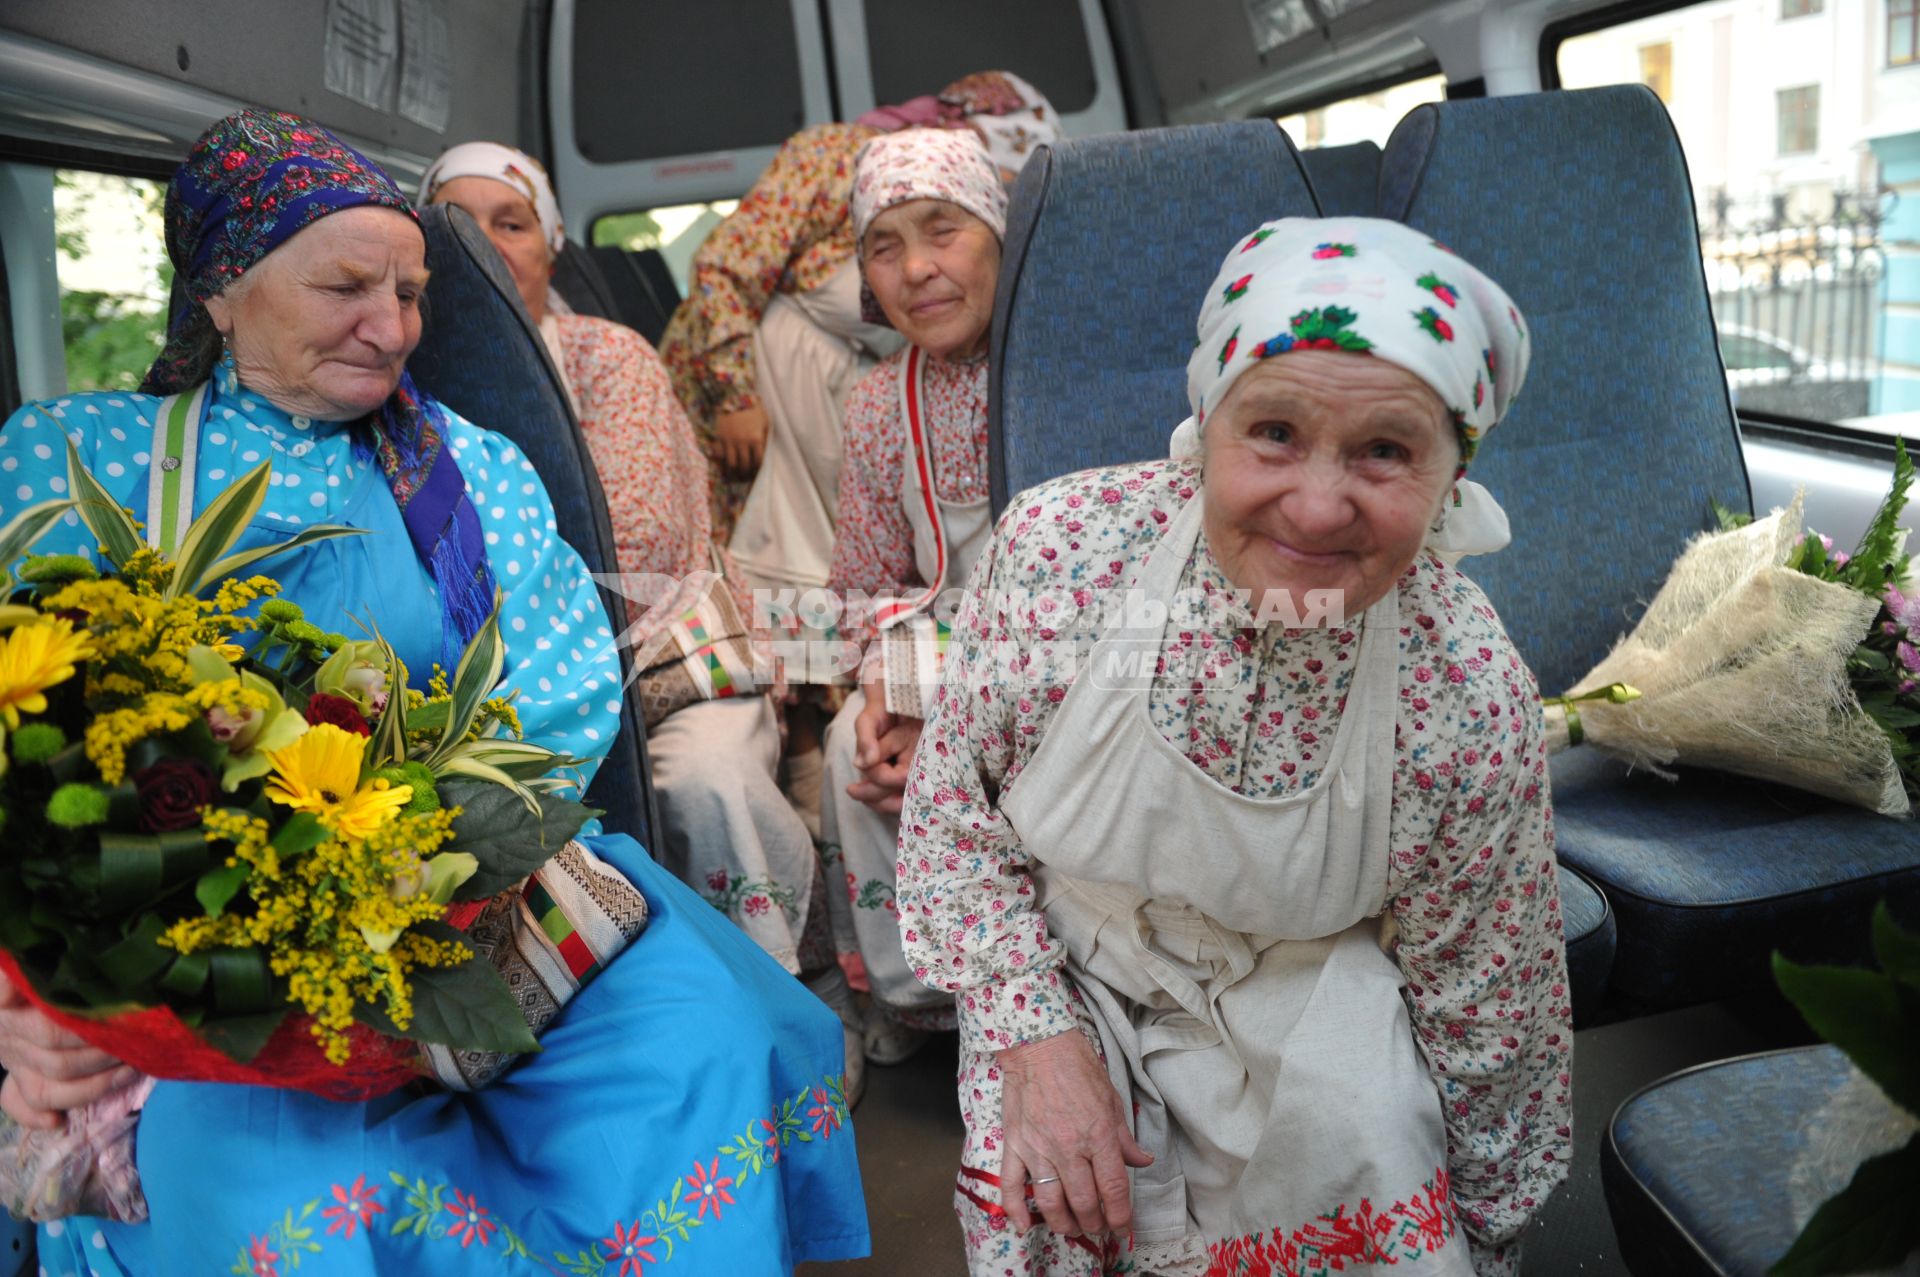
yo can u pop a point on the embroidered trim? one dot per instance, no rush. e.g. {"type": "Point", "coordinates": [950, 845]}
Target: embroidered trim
{"type": "Point", "coordinates": [1401, 1234]}
{"type": "Point", "coordinates": [443, 1214]}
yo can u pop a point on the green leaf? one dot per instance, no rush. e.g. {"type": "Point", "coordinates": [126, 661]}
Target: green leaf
{"type": "Point", "coordinates": [427, 718]}
{"type": "Point", "coordinates": [212, 534]}
{"type": "Point", "coordinates": [1727, 518]}
{"type": "Point", "coordinates": [301, 834]}
{"type": "Point", "coordinates": [26, 528]}
{"type": "Point", "coordinates": [218, 886]}
{"type": "Point", "coordinates": [1870, 1224]}
{"type": "Point", "coordinates": [235, 564]}
{"type": "Point", "coordinates": [509, 841]}
{"type": "Point", "coordinates": [240, 1037]}
{"type": "Point", "coordinates": [118, 537]}
{"type": "Point", "coordinates": [188, 974]}
{"type": "Point", "coordinates": [139, 958]}
{"type": "Point", "coordinates": [136, 868]}
{"type": "Point", "coordinates": [242, 983]}
{"type": "Point", "coordinates": [1898, 950]}
{"type": "Point", "coordinates": [1860, 1012]}
{"type": "Point", "coordinates": [478, 674]}
{"type": "Point", "coordinates": [468, 1007]}
{"type": "Point", "coordinates": [458, 764]}
{"type": "Point", "coordinates": [390, 733]}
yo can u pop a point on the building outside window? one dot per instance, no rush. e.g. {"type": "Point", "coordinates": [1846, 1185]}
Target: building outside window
{"type": "Point", "coordinates": [1656, 68]}
{"type": "Point", "coordinates": [1799, 110]}
{"type": "Point", "coordinates": [1800, 8]}
{"type": "Point", "coordinates": [1903, 32]}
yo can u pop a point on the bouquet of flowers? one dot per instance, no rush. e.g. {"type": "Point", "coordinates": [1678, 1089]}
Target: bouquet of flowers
{"type": "Point", "coordinates": [239, 848]}
{"type": "Point", "coordinates": [1769, 654]}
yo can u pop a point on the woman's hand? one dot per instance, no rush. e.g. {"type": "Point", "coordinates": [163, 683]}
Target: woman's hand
{"type": "Point", "coordinates": [49, 1070]}
{"type": "Point", "coordinates": [883, 745]}
{"type": "Point", "coordinates": [740, 439]}
{"type": "Point", "coordinates": [1066, 1125]}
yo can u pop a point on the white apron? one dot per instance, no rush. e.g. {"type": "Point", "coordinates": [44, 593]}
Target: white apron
{"type": "Point", "coordinates": [1230, 951]}
{"type": "Point", "coordinates": [948, 538]}
{"type": "Point", "coordinates": [808, 352]}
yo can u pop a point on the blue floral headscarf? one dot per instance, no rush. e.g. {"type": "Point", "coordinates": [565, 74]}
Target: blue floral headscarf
{"type": "Point", "coordinates": [251, 183]}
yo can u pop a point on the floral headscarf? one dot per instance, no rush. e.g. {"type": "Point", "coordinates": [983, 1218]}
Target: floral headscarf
{"type": "Point", "coordinates": [1363, 284]}
{"type": "Point", "coordinates": [516, 169]}
{"type": "Point", "coordinates": [1010, 115]}
{"type": "Point", "coordinates": [923, 164]}
{"type": "Point", "coordinates": [251, 183]}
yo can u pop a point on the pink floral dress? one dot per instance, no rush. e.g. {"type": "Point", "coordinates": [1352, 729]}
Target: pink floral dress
{"type": "Point", "coordinates": [1472, 886]}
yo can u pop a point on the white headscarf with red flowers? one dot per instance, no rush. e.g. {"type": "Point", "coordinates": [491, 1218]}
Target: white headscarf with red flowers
{"type": "Point", "coordinates": [1377, 287]}
{"type": "Point", "coordinates": [516, 169]}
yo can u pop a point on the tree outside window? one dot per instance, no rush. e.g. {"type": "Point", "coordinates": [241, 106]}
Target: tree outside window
{"type": "Point", "coordinates": [1903, 32]}
{"type": "Point", "coordinates": [1799, 110]}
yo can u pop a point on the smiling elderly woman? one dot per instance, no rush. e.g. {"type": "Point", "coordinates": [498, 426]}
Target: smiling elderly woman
{"type": "Point", "coordinates": [1257, 952]}
{"type": "Point", "coordinates": [305, 267]}
{"type": "Point", "coordinates": [929, 211]}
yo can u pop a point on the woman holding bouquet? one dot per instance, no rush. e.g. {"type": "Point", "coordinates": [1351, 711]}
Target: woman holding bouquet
{"type": "Point", "coordinates": [658, 1115]}
{"type": "Point", "coordinates": [1252, 918]}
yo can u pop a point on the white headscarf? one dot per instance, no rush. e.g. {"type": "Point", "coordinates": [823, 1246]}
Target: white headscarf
{"type": "Point", "coordinates": [503, 164]}
{"type": "Point", "coordinates": [1368, 285]}
{"type": "Point", "coordinates": [923, 164]}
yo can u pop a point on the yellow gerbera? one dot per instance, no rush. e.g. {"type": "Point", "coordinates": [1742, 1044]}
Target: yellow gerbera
{"type": "Point", "coordinates": [320, 773]}
{"type": "Point", "coordinates": [33, 658]}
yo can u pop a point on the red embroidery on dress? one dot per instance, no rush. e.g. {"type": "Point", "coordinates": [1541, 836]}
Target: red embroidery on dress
{"type": "Point", "coordinates": [1403, 1233]}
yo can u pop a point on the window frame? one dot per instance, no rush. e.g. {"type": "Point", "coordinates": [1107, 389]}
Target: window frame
{"type": "Point", "coordinates": [1350, 89]}
{"type": "Point", "coordinates": [1911, 12]}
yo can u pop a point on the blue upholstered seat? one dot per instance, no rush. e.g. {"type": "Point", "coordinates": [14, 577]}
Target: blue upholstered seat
{"type": "Point", "coordinates": [1696, 1166]}
{"type": "Point", "coordinates": [1110, 242]}
{"type": "Point", "coordinates": [1605, 466]}
{"type": "Point", "coordinates": [1345, 179]}
{"type": "Point", "coordinates": [482, 356]}
{"type": "Point", "coordinates": [1588, 924]}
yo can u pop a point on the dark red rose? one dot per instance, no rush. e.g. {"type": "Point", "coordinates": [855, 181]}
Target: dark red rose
{"type": "Point", "coordinates": [338, 710]}
{"type": "Point", "coordinates": [172, 792]}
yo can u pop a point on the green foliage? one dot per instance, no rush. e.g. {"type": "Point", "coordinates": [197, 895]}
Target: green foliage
{"type": "Point", "coordinates": [111, 337]}
{"type": "Point", "coordinates": [634, 232]}
{"type": "Point", "coordinates": [1873, 1016]}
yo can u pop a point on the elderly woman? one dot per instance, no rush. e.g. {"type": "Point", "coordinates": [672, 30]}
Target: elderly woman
{"type": "Point", "coordinates": [727, 831]}
{"type": "Point", "coordinates": [1229, 828]}
{"type": "Point", "coordinates": [930, 211]}
{"type": "Point", "coordinates": [771, 339]}
{"type": "Point", "coordinates": [304, 268]}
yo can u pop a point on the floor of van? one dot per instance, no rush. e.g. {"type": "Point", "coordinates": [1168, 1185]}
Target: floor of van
{"type": "Point", "coordinates": [909, 1135]}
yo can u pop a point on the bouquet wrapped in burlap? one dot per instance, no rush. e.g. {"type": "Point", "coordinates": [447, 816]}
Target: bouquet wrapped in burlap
{"type": "Point", "coordinates": [1768, 655]}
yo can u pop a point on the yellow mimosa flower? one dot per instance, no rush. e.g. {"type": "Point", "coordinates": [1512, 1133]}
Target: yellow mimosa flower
{"type": "Point", "coordinates": [33, 658]}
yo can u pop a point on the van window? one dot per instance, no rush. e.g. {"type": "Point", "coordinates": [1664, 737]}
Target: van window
{"type": "Point", "coordinates": [1366, 117]}
{"type": "Point", "coordinates": [917, 46]}
{"type": "Point", "coordinates": [1816, 319]}
{"type": "Point", "coordinates": [676, 231]}
{"type": "Point", "coordinates": [114, 276]}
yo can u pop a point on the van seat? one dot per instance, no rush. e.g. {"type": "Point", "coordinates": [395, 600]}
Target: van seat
{"type": "Point", "coordinates": [1588, 924]}
{"type": "Point", "coordinates": [483, 357]}
{"type": "Point", "coordinates": [1110, 243]}
{"type": "Point", "coordinates": [1346, 179]}
{"type": "Point", "coordinates": [1605, 465]}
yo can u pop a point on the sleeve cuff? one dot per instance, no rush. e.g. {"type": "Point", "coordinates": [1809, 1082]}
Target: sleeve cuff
{"type": "Point", "coordinates": [1015, 1010]}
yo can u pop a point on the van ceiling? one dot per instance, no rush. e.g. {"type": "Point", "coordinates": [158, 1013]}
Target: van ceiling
{"type": "Point", "coordinates": [272, 53]}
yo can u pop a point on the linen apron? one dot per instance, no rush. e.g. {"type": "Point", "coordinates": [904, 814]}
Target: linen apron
{"type": "Point", "coordinates": [809, 351]}
{"type": "Point", "coordinates": [948, 538]}
{"type": "Point", "coordinates": [1230, 952]}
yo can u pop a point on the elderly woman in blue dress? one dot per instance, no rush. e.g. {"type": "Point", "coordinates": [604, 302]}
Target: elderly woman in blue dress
{"type": "Point", "coordinates": [1252, 920]}
{"type": "Point", "coordinates": [305, 269]}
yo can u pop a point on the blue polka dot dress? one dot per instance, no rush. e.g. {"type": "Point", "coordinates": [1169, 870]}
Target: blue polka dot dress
{"type": "Point", "coordinates": [688, 1103]}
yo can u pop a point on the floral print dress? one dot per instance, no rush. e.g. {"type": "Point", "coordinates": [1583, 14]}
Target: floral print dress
{"type": "Point", "coordinates": [1471, 887]}
{"type": "Point", "coordinates": [790, 233]}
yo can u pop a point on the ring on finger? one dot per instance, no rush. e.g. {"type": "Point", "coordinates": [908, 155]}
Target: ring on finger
{"type": "Point", "coordinates": [1045, 1179]}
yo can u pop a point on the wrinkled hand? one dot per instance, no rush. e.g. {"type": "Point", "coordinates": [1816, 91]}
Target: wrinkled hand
{"type": "Point", "coordinates": [1063, 1119]}
{"type": "Point", "coordinates": [740, 440]}
{"type": "Point", "coordinates": [883, 751]}
{"type": "Point", "coordinates": [49, 1070]}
